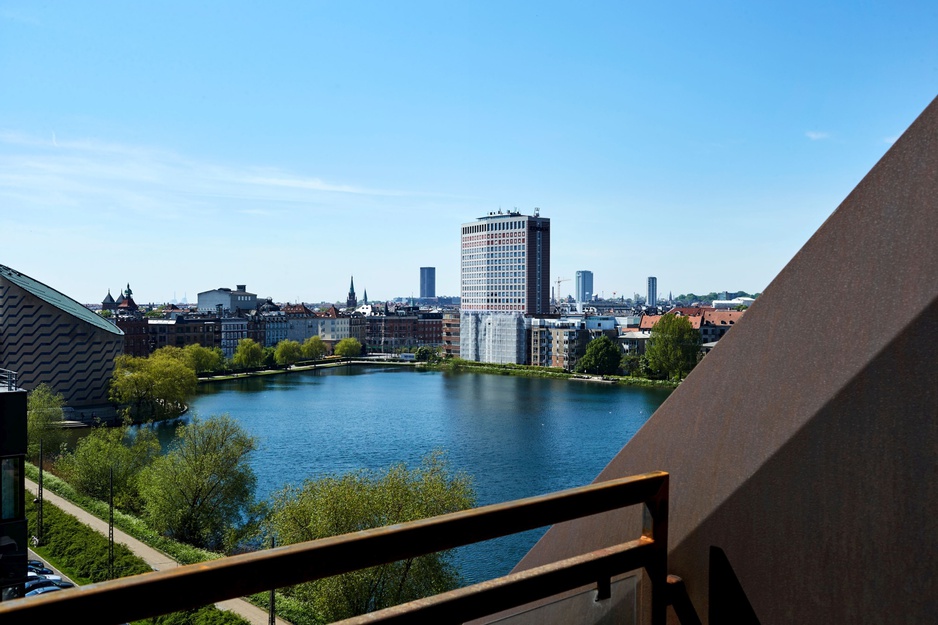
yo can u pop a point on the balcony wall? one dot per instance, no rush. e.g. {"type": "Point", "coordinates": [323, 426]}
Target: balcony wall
{"type": "Point", "coordinates": [803, 449]}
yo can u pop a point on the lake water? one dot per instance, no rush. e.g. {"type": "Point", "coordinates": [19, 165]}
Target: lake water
{"type": "Point", "coordinates": [515, 436]}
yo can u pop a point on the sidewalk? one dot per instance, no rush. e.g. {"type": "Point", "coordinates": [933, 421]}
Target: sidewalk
{"type": "Point", "coordinates": [158, 561]}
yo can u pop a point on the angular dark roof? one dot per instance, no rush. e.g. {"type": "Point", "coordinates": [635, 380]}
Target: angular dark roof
{"type": "Point", "coordinates": [59, 300]}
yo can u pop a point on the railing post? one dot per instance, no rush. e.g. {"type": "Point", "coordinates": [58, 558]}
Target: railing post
{"type": "Point", "coordinates": [655, 527]}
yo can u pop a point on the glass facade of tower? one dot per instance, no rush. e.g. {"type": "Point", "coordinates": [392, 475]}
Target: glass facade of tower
{"type": "Point", "coordinates": [584, 286]}
{"type": "Point", "coordinates": [428, 282]}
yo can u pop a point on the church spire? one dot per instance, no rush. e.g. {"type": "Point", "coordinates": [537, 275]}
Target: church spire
{"type": "Point", "coordinates": [352, 301]}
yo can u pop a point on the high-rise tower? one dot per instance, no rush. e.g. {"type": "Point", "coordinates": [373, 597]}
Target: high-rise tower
{"type": "Point", "coordinates": [428, 282]}
{"type": "Point", "coordinates": [584, 286]}
{"type": "Point", "coordinates": [506, 264]}
{"type": "Point", "coordinates": [652, 299]}
{"type": "Point", "coordinates": [505, 275]}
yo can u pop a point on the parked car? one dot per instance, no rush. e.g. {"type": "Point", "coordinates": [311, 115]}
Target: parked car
{"type": "Point", "coordinates": [32, 575]}
{"type": "Point", "coordinates": [42, 591]}
{"type": "Point", "coordinates": [35, 583]}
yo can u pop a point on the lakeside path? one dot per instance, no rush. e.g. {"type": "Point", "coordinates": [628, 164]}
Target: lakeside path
{"type": "Point", "coordinates": [156, 560]}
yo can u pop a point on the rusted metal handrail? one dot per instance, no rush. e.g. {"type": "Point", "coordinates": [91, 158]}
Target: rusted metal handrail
{"type": "Point", "coordinates": [478, 600]}
{"type": "Point", "coordinates": [195, 585]}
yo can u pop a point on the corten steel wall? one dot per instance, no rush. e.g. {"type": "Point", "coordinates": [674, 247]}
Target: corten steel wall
{"type": "Point", "coordinates": [803, 450]}
{"type": "Point", "coordinates": [44, 343]}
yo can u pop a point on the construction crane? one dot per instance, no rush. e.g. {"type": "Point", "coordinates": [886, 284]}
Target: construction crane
{"type": "Point", "coordinates": [557, 292]}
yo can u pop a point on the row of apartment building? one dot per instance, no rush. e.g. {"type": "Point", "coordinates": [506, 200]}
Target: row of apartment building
{"type": "Point", "coordinates": [549, 341]}
{"type": "Point", "coordinates": [402, 328]}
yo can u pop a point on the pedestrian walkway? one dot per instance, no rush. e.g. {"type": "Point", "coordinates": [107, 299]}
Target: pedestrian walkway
{"type": "Point", "coordinates": [156, 560]}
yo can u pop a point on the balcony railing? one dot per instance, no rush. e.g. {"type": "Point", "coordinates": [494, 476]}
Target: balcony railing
{"type": "Point", "coordinates": [188, 587]}
{"type": "Point", "coordinates": [7, 380]}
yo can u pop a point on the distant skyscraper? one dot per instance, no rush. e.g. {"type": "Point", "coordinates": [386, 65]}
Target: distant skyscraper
{"type": "Point", "coordinates": [584, 286]}
{"type": "Point", "coordinates": [505, 275]}
{"type": "Point", "coordinates": [652, 291]}
{"type": "Point", "coordinates": [428, 282]}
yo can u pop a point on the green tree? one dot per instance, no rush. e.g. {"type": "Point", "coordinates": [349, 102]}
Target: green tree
{"type": "Point", "coordinates": [348, 348]}
{"type": "Point", "coordinates": [88, 467]}
{"type": "Point", "coordinates": [203, 488]}
{"type": "Point", "coordinates": [153, 388]}
{"type": "Point", "coordinates": [288, 352]}
{"type": "Point", "coordinates": [334, 505]}
{"type": "Point", "coordinates": [425, 353]}
{"type": "Point", "coordinates": [673, 346]}
{"type": "Point", "coordinates": [248, 354]}
{"type": "Point", "coordinates": [634, 365]}
{"type": "Point", "coordinates": [314, 348]}
{"type": "Point", "coordinates": [43, 421]}
{"type": "Point", "coordinates": [602, 357]}
{"type": "Point", "coordinates": [203, 359]}
{"type": "Point", "coordinates": [171, 351]}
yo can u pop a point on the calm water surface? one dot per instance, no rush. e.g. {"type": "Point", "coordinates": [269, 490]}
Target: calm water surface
{"type": "Point", "coordinates": [515, 436]}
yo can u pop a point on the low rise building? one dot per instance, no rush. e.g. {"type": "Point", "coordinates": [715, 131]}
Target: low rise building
{"type": "Point", "coordinates": [450, 325]}
{"type": "Point", "coordinates": [561, 342]}
{"type": "Point", "coordinates": [225, 300]}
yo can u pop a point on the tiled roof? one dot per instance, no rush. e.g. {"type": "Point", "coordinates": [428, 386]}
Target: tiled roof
{"type": "Point", "coordinates": [689, 311]}
{"type": "Point", "coordinates": [722, 317]}
{"type": "Point", "coordinates": [649, 321]}
{"type": "Point", "coordinates": [295, 309]}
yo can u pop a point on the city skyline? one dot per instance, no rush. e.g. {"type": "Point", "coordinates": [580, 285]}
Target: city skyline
{"type": "Point", "coordinates": [700, 144]}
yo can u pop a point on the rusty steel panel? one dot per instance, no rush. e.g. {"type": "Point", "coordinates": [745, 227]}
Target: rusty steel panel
{"type": "Point", "coordinates": [803, 447]}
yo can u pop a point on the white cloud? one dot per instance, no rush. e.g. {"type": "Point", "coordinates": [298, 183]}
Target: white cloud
{"type": "Point", "coordinates": [55, 173]}
{"type": "Point", "coordinates": [816, 135]}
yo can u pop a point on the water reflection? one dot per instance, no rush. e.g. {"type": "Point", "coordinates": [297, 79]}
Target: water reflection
{"type": "Point", "coordinates": [515, 436]}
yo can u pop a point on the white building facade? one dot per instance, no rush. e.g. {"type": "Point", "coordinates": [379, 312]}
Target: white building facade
{"type": "Point", "coordinates": [230, 301]}
{"type": "Point", "coordinates": [504, 276]}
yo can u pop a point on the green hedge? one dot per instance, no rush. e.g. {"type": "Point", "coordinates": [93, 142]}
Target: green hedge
{"type": "Point", "coordinates": [78, 550]}
{"type": "Point", "coordinates": [209, 615]}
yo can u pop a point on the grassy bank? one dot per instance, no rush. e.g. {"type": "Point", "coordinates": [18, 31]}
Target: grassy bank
{"type": "Point", "coordinates": [459, 365]}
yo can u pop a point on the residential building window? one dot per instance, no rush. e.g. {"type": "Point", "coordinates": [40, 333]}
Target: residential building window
{"type": "Point", "coordinates": [11, 488]}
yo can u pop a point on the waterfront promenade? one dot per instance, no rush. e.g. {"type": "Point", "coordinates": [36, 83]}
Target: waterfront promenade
{"type": "Point", "coordinates": [156, 560]}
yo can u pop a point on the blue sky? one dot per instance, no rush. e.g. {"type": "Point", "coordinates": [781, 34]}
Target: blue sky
{"type": "Point", "coordinates": [287, 146]}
